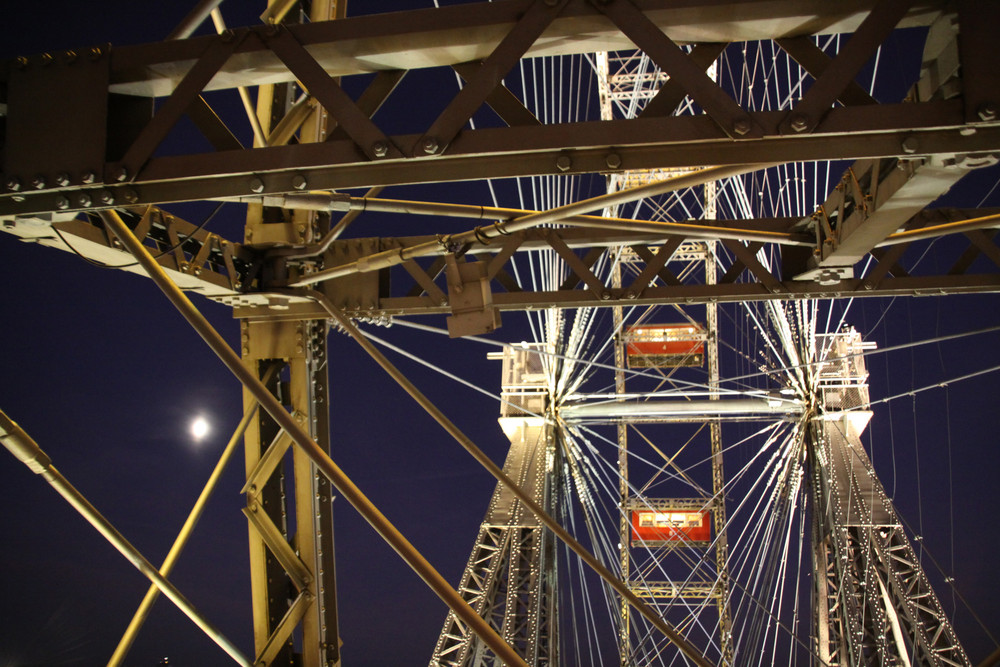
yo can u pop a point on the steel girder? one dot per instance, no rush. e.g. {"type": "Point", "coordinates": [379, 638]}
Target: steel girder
{"type": "Point", "coordinates": [293, 573]}
{"type": "Point", "coordinates": [101, 152]}
{"type": "Point", "coordinates": [305, 496]}
{"type": "Point", "coordinates": [943, 130]}
{"type": "Point", "coordinates": [875, 605]}
{"type": "Point", "coordinates": [60, 160]}
{"type": "Point", "coordinates": [252, 282]}
{"type": "Point", "coordinates": [510, 578]}
{"type": "Point", "coordinates": [421, 288]}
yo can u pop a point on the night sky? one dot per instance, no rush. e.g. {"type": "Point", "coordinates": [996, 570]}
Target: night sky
{"type": "Point", "coordinates": [100, 369]}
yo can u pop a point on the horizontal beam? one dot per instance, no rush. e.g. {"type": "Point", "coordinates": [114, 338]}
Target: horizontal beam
{"type": "Point", "coordinates": [454, 35]}
{"type": "Point", "coordinates": [742, 230]}
{"type": "Point", "coordinates": [224, 271]}
{"type": "Point", "coordinates": [876, 199]}
{"type": "Point", "coordinates": [680, 410]}
{"type": "Point", "coordinates": [289, 309]}
{"type": "Point", "coordinates": [81, 169]}
{"type": "Point", "coordinates": [892, 130]}
{"type": "Point", "coordinates": [197, 260]}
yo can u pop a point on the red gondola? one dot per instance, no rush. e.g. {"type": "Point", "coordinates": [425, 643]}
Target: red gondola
{"type": "Point", "coordinates": [665, 345]}
{"type": "Point", "coordinates": [662, 527]}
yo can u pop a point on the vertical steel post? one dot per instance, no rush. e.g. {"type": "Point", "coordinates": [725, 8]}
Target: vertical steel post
{"type": "Point", "coordinates": [715, 430]}
{"type": "Point", "coordinates": [624, 519]}
{"type": "Point", "coordinates": [718, 474]}
{"type": "Point", "coordinates": [323, 462]}
{"type": "Point", "coordinates": [298, 495]}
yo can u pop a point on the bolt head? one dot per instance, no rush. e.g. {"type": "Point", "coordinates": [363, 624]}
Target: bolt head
{"type": "Point", "coordinates": [380, 149]}
{"type": "Point", "coordinates": [828, 277]}
{"type": "Point", "coordinates": [987, 112]}
{"type": "Point", "coordinates": [299, 182]}
{"type": "Point", "coordinates": [429, 145]}
{"type": "Point", "coordinates": [38, 182]}
{"type": "Point", "coordinates": [22, 62]}
{"type": "Point", "coordinates": [120, 174]}
{"type": "Point", "coordinates": [96, 53]}
{"type": "Point", "coordinates": [799, 123]}
{"type": "Point", "coordinates": [910, 145]}
{"type": "Point", "coordinates": [256, 185]}
{"type": "Point", "coordinates": [130, 195]}
{"type": "Point", "coordinates": [563, 163]}
{"type": "Point", "coordinates": [47, 58]}
{"type": "Point", "coordinates": [613, 160]}
{"type": "Point", "coordinates": [14, 184]}
{"type": "Point", "coordinates": [89, 177]}
{"type": "Point", "coordinates": [62, 203]}
{"type": "Point", "coordinates": [106, 197]}
{"type": "Point", "coordinates": [85, 199]}
{"type": "Point", "coordinates": [741, 127]}
{"type": "Point", "coordinates": [69, 57]}
{"type": "Point", "coordinates": [62, 179]}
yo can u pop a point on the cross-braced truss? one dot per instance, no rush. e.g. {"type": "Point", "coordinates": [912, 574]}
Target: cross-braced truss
{"type": "Point", "coordinates": [875, 605]}
{"type": "Point", "coordinates": [510, 578]}
{"type": "Point", "coordinates": [70, 170]}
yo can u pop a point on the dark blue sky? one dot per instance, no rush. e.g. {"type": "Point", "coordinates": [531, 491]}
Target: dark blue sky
{"type": "Point", "coordinates": [104, 374]}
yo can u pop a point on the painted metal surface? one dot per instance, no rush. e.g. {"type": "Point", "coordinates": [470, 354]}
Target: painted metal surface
{"type": "Point", "coordinates": [664, 526]}
{"type": "Point", "coordinates": [664, 345]}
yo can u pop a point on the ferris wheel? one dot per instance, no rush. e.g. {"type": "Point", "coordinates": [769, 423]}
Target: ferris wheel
{"type": "Point", "coordinates": [691, 475]}
{"type": "Point", "coordinates": [636, 406]}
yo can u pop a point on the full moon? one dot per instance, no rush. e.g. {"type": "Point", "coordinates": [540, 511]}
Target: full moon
{"type": "Point", "coordinates": [199, 428]}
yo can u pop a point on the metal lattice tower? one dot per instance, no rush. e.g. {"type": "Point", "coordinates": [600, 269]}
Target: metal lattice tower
{"type": "Point", "coordinates": [91, 177]}
{"type": "Point", "coordinates": [510, 578]}
{"type": "Point", "coordinates": [874, 604]}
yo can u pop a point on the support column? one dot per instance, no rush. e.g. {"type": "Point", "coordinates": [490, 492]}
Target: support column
{"type": "Point", "coordinates": [291, 517]}
{"type": "Point", "coordinates": [293, 576]}
{"type": "Point", "coordinates": [715, 429]}
{"type": "Point", "coordinates": [872, 596]}
{"type": "Point", "coordinates": [624, 526]}
{"type": "Point", "coordinates": [510, 578]}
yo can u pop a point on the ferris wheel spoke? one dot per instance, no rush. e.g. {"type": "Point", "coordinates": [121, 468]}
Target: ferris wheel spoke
{"type": "Point", "coordinates": [669, 461]}
{"type": "Point", "coordinates": [764, 529]}
{"type": "Point", "coordinates": [437, 369]}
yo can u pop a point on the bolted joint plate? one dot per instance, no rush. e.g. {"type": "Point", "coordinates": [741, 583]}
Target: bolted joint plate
{"type": "Point", "coordinates": [471, 299]}
{"type": "Point", "coordinates": [57, 138]}
{"type": "Point", "coordinates": [359, 292]}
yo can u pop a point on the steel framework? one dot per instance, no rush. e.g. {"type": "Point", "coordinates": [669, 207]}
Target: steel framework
{"type": "Point", "coordinates": [511, 575]}
{"type": "Point", "coordinates": [860, 544]}
{"type": "Point", "coordinates": [89, 177]}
